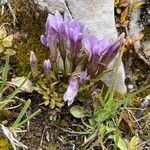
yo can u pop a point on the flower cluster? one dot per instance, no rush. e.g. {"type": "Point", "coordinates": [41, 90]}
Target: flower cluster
{"type": "Point", "coordinates": [64, 39]}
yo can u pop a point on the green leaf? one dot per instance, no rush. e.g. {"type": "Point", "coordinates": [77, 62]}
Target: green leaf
{"type": "Point", "coordinates": [102, 129]}
{"type": "Point", "coordinates": [102, 114]}
{"type": "Point", "coordinates": [52, 103]}
{"type": "Point", "coordinates": [7, 42]}
{"type": "Point", "coordinates": [22, 113]}
{"type": "Point", "coordinates": [3, 32]}
{"type": "Point", "coordinates": [133, 143]}
{"type": "Point", "coordinates": [46, 102]}
{"type": "Point", "coordinates": [60, 104]}
{"type": "Point", "coordinates": [4, 74]}
{"type": "Point", "coordinates": [10, 52]}
{"type": "Point", "coordinates": [120, 142]}
{"type": "Point", "coordinates": [78, 111]}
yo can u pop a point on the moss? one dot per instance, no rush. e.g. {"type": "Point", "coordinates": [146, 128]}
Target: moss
{"type": "Point", "coordinates": [4, 144]}
{"type": "Point", "coordinates": [31, 24]}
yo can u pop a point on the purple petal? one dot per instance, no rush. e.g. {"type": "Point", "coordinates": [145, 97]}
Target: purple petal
{"type": "Point", "coordinates": [43, 40]}
{"type": "Point", "coordinates": [66, 18]}
{"type": "Point", "coordinates": [71, 92]}
{"type": "Point", "coordinates": [83, 77]}
{"type": "Point", "coordinates": [58, 17]}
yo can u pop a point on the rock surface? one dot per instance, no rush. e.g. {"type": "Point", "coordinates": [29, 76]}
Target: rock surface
{"type": "Point", "coordinates": [98, 17]}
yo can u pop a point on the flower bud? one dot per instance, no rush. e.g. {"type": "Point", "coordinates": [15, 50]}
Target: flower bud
{"type": "Point", "coordinates": [47, 68]}
{"type": "Point", "coordinates": [34, 64]}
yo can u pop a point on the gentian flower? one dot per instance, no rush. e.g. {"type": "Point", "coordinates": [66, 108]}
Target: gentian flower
{"type": "Point", "coordinates": [55, 29]}
{"type": "Point", "coordinates": [113, 49]}
{"type": "Point", "coordinates": [50, 40]}
{"type": "Point", "coordinates": [95, 49]}
{"type": "Point", "coordinates": [72, 91]}
{"type": "Point", "coordinates": [57, 22]}
{"type": "Point", "coordinates": [75, 35]}
{"type": "Point", "coordinates": [101, 53]}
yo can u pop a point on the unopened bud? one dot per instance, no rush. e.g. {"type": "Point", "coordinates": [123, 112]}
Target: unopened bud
{"type": "Point", "coordinates": [47, 65]}
{"type": "Point", "coordinates": [34, 64]}
{"type": "Point", "coordinates": [33, 59]}
{"type": "Point", "coordinates": [47, 68]}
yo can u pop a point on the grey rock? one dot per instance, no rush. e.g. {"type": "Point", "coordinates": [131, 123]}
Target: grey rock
{"type": "Point", "coordinates": [98, 17]}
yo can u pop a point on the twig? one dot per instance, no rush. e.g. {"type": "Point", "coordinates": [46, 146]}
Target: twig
{"type": "Point", "coordinates": [42, 137]}
{"type": "Point", "coordinates": [142, 107]}
{"type": "Point", "coordinates": [143, 59]}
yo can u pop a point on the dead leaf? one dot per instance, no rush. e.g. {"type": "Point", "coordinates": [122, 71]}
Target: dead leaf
{"type": "Point", "coordinates": [124, 3]}
{"type": "Point", "coordinates": [129, 120]}
{"type": "Point", "coordinates": [27, 87]}
{"type": "Point", "coordinates": [136, 5]}
{"type": "Point", "coordinates": [17, 35]}
{"type": "Point", "coordinates": [124, 15]}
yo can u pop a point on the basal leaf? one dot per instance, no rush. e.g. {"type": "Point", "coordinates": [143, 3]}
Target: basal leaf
{"type": "Point", "coordinates": [102, 114]}
{"type": "Point", "coordinates": [78, 111]}
{"type": "Point", "coordinates": [133, 143]}
{"type": "Point", "coordinates": [52, 103]}
{"type": "Point", "coordinates": [120, 142]}
{"type": "Point", "coordinates": [10, 52]}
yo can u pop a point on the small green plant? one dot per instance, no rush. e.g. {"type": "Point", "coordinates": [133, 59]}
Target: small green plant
{"type": "Point", "coordinates": [6, 42]}
{"type": "Point", "coordinates": [71, 60]}
{"type": "Point", "coordinates": [102, 124]}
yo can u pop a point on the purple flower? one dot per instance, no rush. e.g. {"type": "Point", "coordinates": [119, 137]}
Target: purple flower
{"type": "Point", "coordinates": [51, 34]}
{"type": "Point", "coordinates": [75, 35]}
{"type": "Point", "coordinates": [55, 32]}
{"type": "Point", "coordinates": [57, 22]}
{"type": "Point", "coordinates": [113, 49]}
{"type": "Point", "coordinates": [72, 91]}
{"type": "Point", "coordinates": [95, 49]}
{"type": "Point", "coordinates": [101, 53]}
{"type": "Point", "coordinates": [50, 40]}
